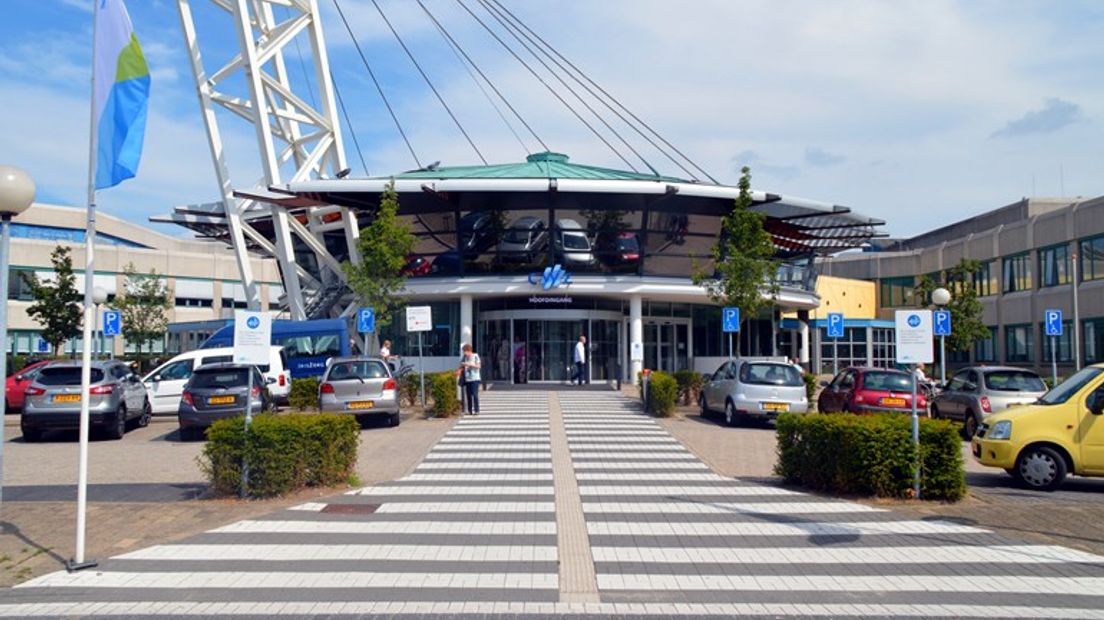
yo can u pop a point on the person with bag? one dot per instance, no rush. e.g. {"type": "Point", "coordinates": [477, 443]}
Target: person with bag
{"type": "Point", "coordinates": [469, 376]}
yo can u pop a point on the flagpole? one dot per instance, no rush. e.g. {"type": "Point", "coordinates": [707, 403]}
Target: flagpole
{"type": "Point", "coordinates": [78, 561]}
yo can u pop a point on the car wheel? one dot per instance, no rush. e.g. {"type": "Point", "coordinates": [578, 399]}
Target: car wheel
{"type": "Point", "coordinates": [704, 412]}
{"type": "Point", "coordinates": [730, 414]}
{"type": "Point", "coordinates": [118, 428]}
{"type": "Point", "coordinates": [394, 420]}
{"type": "Point", "coordinates": [970, 425]}
{"type": "Point", "coordinates": [1041, 468]}
{"type": "Point", "coordinates": [31, 435]}
{"type": "Point", "coordinates": [935, 412]}
{"type": "Point", "coordinates": [147, 413]}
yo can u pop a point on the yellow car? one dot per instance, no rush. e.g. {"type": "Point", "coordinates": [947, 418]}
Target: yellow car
{"type": "Point", "coordinates": [1062, 433]}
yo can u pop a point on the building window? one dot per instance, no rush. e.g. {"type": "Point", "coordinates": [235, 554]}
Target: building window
{"type": "Point", "coordinates": [851, 349]}
{"type": "Point", "coordinates": [192, 302]}
{"type": "Point", "coordinates": [18, 288]}
{"type": "Point", "coordinates": [1019, 343]}
{"type": "Point", "coordinates": [1092, 258]}
{"type": "Point", "coordinates": [707, 329]}
{"type": "Point", "coordinates": [1094, 339]}
{"type": "Point", "coordinates": [985, 281]}
{"type": "Point", "coordinates": [1054, 265]}
{"type": "Point", "coordinates": [231, 303]}
{"type": "Point", "coordinates": [441, 341]}
{"type": "Point", "coordinates": [885, 347]}
{"type": "Point", "coordinates": [1064, 344]}
{"type": "Point", "coordinates": [985, 349]}
{"type": "Point", "coordinates": [1017, 273]}
{"type": "Point", "coordinates": [897, 292]}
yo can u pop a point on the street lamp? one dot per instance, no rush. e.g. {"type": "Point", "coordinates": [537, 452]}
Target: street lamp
{"type": "Point", "coordinates": [99, 296]}
{"type": "Point", "coordinates": [17, 192]}
{"type": "Point", "coordinates": [941, 297]}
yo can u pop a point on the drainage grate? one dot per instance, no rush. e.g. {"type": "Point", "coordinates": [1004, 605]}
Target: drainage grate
{"type": "Point", "coordinates": [351, 509]}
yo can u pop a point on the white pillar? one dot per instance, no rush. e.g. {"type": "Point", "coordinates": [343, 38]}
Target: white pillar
{"type": "Point", "coordinates": [636, 332]}
{"type": "Point", "coordinates": [803, 329]}
{"type": "Point", "coordinates": [466, 323]}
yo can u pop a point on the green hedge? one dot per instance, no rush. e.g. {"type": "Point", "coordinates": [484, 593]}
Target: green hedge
{"type": "Point", "coordinates": [811, 386]}
{"type": "Point", "coordinates": [442, 389]}
{"type": "Point", "coordinates": [663, 393]}
{"type": "Point", "coordinates": [410, 388]}
{"type": "Point", "coordinates": [689, 385]}
{"type": "Point", "coordinates": [304, 394]}
{"type": "Point", "coordinates": [870, 455]}
{"type": "Point", "coordinates": [285, 453]}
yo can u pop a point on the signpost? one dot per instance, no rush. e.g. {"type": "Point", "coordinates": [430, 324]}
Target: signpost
{"type": "Point", "coordinates": [730, 324]}
{"type": "Point", "coordinates": [420, 319]}
{"type": "Point", "coordinates": [835, 332]}
{"type": "Point", "coordinates": [913, 331]}
{"type": "Point", "coordinates": [366, 324]}
{"type": "Point", "coordinates": [252, 344]}
{"type": "Point", "coordinates": [1053, 321]}
{"type": "Point", "coordinates": [941, 326]}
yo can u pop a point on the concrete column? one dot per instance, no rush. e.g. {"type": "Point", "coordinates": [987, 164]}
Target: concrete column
{"type": "Point", "coordinates": [803, 330]}
{"type": "Point", "coordinates": [466, 323]}
{"type": "Point", "coordinates": [636, 331]}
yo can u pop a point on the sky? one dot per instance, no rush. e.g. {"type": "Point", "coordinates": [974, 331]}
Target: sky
{"type": "Point", "coordinates": [916, 112]}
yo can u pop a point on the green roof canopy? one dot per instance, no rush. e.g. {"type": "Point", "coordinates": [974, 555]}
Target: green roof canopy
{"type": "Point", "coordinates": [546, 165]}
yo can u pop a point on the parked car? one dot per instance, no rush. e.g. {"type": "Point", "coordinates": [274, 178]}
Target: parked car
{"type": "Point", "coordinates": [618, 250]}
{"type": "Point", "coordinates": [166, 382]}
{"type": "Point", "coordinates": [415, 266]}
{"type": "Point", "coordinates": [53, 399]}
{"type": "Point", "coordinates": [362, 386]}
{"type": "Point", "coordinates": [977, 392]}
{"type": "Point", "coordinates": [219, 391]}
{"type": "Point", "coordinates": [525, 241]}
{"type": "Point", "coordinates": [1061, 434]}
{"type": "Point", "coordinates": [571, 245]}
{"type": "Point", "coordinates": [869, 390]}
{"type": "Point", "coordinates": [477, 233]}
{"type": "Point", "coordinates": [17, 382]}
{"type": "Point", "coordinates": [746, 389]}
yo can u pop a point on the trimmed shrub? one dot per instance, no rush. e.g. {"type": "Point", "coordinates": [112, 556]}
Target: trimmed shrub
{"type": "Point", "coordinates": [870, 455]}
{"type": "Point", "coordinates": [409, 388]}
{"type": "Point", "coordinates": [811, 386]}
{"type": "Point", "coordinates": [663, 392]}
{"type": "Point", "coordinates": [304, 394]}
{"type": "Point", "coordinates": [442, 389]}
{"type": "Point", "coordinates": [285, 453]}
{"type": "Point", "coordinates": [689, 385]}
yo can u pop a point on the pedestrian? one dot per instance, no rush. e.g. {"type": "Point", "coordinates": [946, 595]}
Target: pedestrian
{"type": "Point", "coordinates": [581, 373]}
{"type": "Point", "coordinates": [469, 374]}
{"type": "Point", "coordinates": [520, 367]}
{"type": "Point", "coordinates": [385, 355]}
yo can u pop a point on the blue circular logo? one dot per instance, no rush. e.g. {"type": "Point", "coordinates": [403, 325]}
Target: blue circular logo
{"type": "Point", "coordinates": [253, 322]}
{"type": "Point", "coordinates": [914, 320]}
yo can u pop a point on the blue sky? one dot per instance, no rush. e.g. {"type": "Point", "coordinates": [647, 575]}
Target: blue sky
{"type": "Point", "coordinates": [917, 112]}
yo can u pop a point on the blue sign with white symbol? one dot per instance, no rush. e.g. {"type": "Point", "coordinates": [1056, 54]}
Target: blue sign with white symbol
{"type": "Point", "coordinates": [252, 322]}
{"type": "Point", "coordinates": [835, 325]}
{"type": "Point", "coordinates": [1053, 322]}
{"type": "Point", "coordinates": [112, 323]}
{"type": "Point", "coordinates": [366, 320]}
{"type": "Point", "coordinates": [41, 346]}
{"type": "Point", "coordinates": [552, 277]}
{"type": "Point", "coordinates": [730, 317]}
{"type": "Point", "coordinates": [914, 320]}
{"type": "Point", "coordinates": [941, 323]}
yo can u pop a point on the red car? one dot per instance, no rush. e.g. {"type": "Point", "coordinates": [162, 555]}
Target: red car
{"type": "Point", "coordinates": [869, 390]}
{"type": "Point", "coordinates": [415, 266]}
{"type": "Point", "coordinates": [14, 386]}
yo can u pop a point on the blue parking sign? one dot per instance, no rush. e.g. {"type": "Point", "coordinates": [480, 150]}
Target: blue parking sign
{"type": "Point", "coordinates": [941, 323]}
{"type": "Point", "coordinates": [835, 325]}
{"type": "Point", "coordinates": [1053, 322]}
{"type": "Point", "coordinates": [730, 317]}
{"type": "Point", "coordinates": [112, 323]}
{"type": "Point", "coordinates": [366, 320]}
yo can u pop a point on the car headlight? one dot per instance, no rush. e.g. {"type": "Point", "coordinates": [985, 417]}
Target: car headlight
{"type": "Point", "coordinates": [1000, 430]}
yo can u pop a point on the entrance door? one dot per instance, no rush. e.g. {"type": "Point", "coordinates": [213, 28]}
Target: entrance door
{"type": "Point", "coordinates": [667, 346]}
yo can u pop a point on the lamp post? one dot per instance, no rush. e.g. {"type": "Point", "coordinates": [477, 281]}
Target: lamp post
{"type": "Point", "coordinates": [99, 296]}
{"type": "Point", "coordinates": [17, 192]}
{"type": "Point", "coordinates": [941, 297]}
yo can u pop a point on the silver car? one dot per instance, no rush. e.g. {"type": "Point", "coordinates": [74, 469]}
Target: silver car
{"type": "Point", "coordinates": [571, 245]}
{"type": "Point", "coordinates": [976, 392]}
{"type": "Point", "coordinates": [53, 400]}
{"type": "Point", "coordinates": [748, 389]}
{"type": "Point", "coordinates": [362, 386]}
{"type": "Point", "coordinates": [525, 240]}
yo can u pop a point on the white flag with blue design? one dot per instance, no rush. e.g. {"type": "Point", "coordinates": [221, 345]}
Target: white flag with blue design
{"type": "Point", "coordinates": [121, 97]}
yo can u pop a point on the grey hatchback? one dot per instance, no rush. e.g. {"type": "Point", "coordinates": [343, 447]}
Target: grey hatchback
{"type": "Point", "coordinates": [362, 386]}
{"type": "Point", "coordinates": [974, 393]}
{"type": "Point", "coordinates": [53, 400]}
{"type": "Point", "coordinates": [219, 391]}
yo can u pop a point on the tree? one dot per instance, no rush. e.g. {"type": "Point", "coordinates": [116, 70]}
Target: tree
{"type": "Point", "coordinates": [384, 245]}
{"type": "Point", "coordinates": [144, 306]}
{"type": "Point", "coordinates": [967, 326]}
{"type": "Point", "coordinates": [56, 306]}
{"type": "Point", "coordinates": [744, 264]}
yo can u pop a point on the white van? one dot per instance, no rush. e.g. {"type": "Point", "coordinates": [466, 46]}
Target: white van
{"type": "Point", "coordinates": [166, 382]}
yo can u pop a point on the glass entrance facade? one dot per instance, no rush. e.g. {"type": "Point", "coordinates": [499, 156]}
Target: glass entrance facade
{"type": "Point", "coordinates": [542, 350]}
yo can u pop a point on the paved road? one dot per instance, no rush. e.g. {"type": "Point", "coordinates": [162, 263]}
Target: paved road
{"type": "Point", "coordinates": [572, 504]}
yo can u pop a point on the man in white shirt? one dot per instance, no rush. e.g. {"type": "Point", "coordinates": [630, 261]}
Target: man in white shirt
{"type": "Point", "coordinates": [581, 373]}
{"type": "Point", "coordinates": [385, 354]}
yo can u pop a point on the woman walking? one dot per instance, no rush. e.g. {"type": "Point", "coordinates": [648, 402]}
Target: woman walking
{"type": "Point", "coordinates": [469, 367]}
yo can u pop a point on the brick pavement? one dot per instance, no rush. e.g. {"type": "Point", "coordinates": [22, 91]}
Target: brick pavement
{"type": "Point", "coordinates": [473, 532]}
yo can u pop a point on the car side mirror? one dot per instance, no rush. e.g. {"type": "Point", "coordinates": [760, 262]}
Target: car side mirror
{"type": "Point", "coordinates": [823, 384]}
{"type": "Point", "coordinates": [155, 378]}
{"type": "Point", "coordinates": [20, 378]}
{"type": "Point", "coordinates": [270, 380]}
{"type": "Point", "coordinates": [1096, 406]}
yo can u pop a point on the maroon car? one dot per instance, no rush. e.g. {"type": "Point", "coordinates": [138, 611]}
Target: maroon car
{"type": "Point", "coordinates": [869, 390]}
{"type": "Point", "coordinates": [415, 266]}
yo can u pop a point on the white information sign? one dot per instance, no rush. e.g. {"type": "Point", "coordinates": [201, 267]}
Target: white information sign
{"type": "Point", "coordinates": [419, 319]}
{"type": "Point", "coordinates": [252, 337]}
{"type": "Point", "coordinates": [914, 336]}
{"type": "Point", "coordinates": [636, 353]}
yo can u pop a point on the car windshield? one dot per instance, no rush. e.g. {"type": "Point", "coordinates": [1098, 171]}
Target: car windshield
{"type": "Point", "coordinates": [887, 382]}
{"type": "Point", "coordinates": [1066, 389]}
{"type": "Point", "coordinates": [66, 375]}
{"type": "Point", "coordinates": [221, 378]}
{"type": "Point", "coordinates": [364, 369]}
{"type": "Point", "coordinates": [1014, 381]}
{"type": "Point", "coordinates": [517, 235]}
{"type": "Point", "coordinates": [575, 241]}
{"type": "Point", "coordinates": [770, 374]}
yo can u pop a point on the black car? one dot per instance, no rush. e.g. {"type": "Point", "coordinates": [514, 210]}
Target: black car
{"type": "Point", "coordinates": [618, 250]}
{"type": "Point", "coordinates": [477, 233]}
{"type": "Point", "coordinates": [219, 391]}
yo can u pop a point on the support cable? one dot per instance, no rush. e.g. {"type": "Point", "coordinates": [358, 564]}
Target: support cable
{"type": "Point", "coordinates": [429, 82]}
{"type": "Point", "coordinates": [466, 60]}
{"type": "Point", "coordinates": [349, 123]}
{"type": "Point", "coordinates": [545, 84]}
{"type": "Point", "coordinates": [513, 31]}
{"type": "Point", "coordinates": [607, 94]}
{"type": "Point", "coordinates": [379, 89]}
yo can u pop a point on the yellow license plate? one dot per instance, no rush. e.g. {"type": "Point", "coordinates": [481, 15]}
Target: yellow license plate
{"type": "Point", "coordinates": [893, 402]}
{"type": "Point", "coordinates": [362, 404]}
{"type": "Point", "coordinates": [220, 400]}
{"type": "Point", "coordinates": [67, 398]}
{"type": "Point", "coordinates": [776, 407]}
